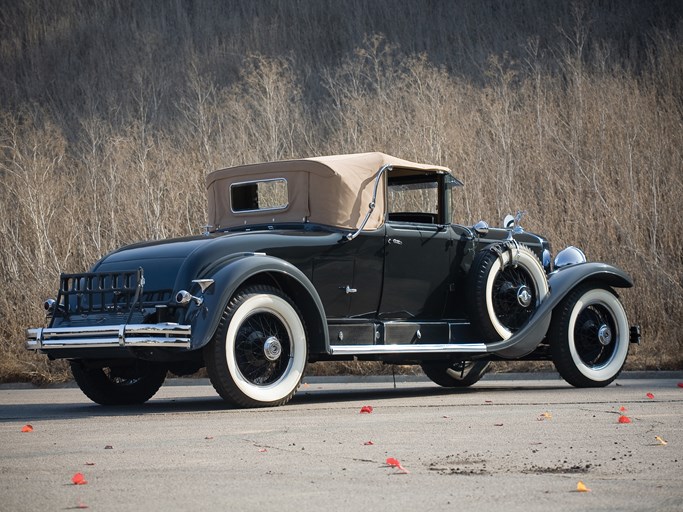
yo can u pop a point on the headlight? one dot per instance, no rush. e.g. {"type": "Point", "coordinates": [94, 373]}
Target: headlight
{"type": "Point", "coordinates": [569, 256]}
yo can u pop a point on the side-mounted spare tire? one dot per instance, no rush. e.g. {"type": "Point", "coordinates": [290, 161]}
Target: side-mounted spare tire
{"type": "Point", "coordinates": [506, 284]}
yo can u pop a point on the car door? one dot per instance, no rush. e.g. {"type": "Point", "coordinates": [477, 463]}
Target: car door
{"type": "Point", "coordinates": [348, 276]}
{"type": "Point", "coordinates": [416, 271]}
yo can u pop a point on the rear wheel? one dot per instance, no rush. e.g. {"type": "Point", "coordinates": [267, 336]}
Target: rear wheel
{"type": "Point", "coordinates": [507, 284]}
{"type": "Point", "coordinates": [258, 354]}
{"type": "Point", "coordinates": [589, 336]}
{"type": "Point", "coordinates": [119, 385]}
{"type": "Point", "coordinates": [460, 374]}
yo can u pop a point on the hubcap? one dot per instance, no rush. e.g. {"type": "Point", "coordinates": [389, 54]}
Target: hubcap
{"type": "Point", "coordinates": [513, 297]}
{"type": "Point", "coordinates": [272, 349]}
{"type": "Point", "coordinates": [605, 335]}
{"type": "Point", "coordinates": [524, 296]}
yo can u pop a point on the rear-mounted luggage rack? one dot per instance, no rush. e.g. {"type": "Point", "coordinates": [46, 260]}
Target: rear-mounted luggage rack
{"type": "Point", "coordinates": [106, 292]}
{"type": "Point", "coordinates": [99, 292]}
{"type": "Point", "coordinates": [117, 294]}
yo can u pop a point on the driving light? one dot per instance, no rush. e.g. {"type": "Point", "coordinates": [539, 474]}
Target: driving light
{"type": "Point", "coordinates": [569, 256]}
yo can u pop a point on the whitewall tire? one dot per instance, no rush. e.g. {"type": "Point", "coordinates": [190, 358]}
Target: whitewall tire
{"type": "Point", "coordinates": [507, 284]}
{"type": "Point", "coordinates": [258, 355]}
{"type": "Point", "coordinates": [589, 336]}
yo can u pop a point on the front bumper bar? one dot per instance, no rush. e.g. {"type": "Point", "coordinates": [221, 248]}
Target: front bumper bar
{"type": "Point", "coordinates": [164, 335]}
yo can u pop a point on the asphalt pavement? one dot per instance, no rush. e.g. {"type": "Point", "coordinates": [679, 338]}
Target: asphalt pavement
{"type": "Point", "coordinates": [510, 443]}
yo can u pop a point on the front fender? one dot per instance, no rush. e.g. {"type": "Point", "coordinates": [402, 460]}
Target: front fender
{"type": "Point", "coordinates": [204, 319]}
{"type": "Point", "coordinates": [561, 282]}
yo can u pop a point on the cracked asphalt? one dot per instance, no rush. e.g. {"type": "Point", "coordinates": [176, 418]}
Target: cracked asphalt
{"type": "Point", "coordinates": [512, 442]}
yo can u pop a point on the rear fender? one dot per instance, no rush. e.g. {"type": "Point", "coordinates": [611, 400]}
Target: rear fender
{"type": "Point", "coordinates": [561, 282]}
{"type": "Point", "coordinates": [228, 279]}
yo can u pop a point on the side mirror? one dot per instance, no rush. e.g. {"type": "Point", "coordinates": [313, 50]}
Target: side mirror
{"type": "Point", "coordinates": [509, 222]}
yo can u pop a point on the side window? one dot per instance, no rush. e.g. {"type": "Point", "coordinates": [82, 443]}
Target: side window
{"type": "Point", "coordinates": [256, 196]}
{"type": "Point", "coordinates": [411, 200]}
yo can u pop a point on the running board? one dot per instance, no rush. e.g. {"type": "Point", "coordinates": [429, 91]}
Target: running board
{"type": "Point", "coordinates": [413, 348]}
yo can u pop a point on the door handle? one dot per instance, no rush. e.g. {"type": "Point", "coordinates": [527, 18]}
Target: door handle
{"type": "Point", "coordinates": [348, 289]}
{"type": "Point", "coordinates": [395, 241]}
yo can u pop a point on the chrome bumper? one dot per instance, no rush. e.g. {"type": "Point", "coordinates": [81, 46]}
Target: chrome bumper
{"type": "Point", "coordinates": [166, 335]}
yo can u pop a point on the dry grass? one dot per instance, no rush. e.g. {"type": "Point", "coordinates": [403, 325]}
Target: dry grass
{"type": "Point", "coordinates": [111, 116]}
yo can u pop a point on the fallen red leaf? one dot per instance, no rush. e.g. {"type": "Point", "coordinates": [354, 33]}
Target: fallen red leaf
{"type": "Point", "coordinates": [208, 437]}
{"type": "Point", "coordinates": [395, 463]}
{"type": "Point", "coordinates": [622, 408]}
{"type": "Point", "coordinates": [82, 505]}
{"type": "Point", "coordinates": [650, 396]}
{"type": "Point", "coordinates": [366, 409]}
{"type": "Point", "coordinates": [263, 450]}
{"type": "Point", "coordinates": [680, 384]}
{"type": "Point", "coordinates": [624, 419]}
{"type": "Point", "coordinates": [79, 479]}
{"type": "Point", "coordinates": [27, 428]}
{"type": "Point", "coordinates": [368, 443]}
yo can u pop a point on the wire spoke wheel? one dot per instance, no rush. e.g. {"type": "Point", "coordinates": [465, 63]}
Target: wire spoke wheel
{"type": "Point", "coordinates": [262, 348]}
{"type": "Point", "coordinates": [589, 336]}
{"type": "Point", "coordinates": [593, 334]}
{"type": "Point", "coordinates": [258, 354]}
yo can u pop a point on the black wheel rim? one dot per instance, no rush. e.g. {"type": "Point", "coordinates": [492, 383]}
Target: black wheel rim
{"type": "Point", "coordinates": [460, 369]}
{"type": "Point", "coordinates": [590, 323]}
{"type": "Point", "coordinates": [511, 285]}
{"type": "Point", "coordinates": [253, 337]}
{"type": "Point", "coordinates": [122, 376]}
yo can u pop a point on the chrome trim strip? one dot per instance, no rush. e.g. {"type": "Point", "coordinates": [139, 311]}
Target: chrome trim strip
{"type": "Point", "coordinates": [414, 348]}
{"type": "Point", "coordinates": [167, 335]}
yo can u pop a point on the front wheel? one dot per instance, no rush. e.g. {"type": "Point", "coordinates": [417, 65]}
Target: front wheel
{"type": "Point", "coordinates": [119, 385]}
{"type": "Point", "coordinates": [451, 374]}
{"type": "Point", "coordinates": [258, 355]}
{"type": "Point", "coordinates": [589, 336]}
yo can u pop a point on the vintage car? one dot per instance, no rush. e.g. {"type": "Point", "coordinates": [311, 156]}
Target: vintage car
{"type": "Point", "coordinates": [347, 257]}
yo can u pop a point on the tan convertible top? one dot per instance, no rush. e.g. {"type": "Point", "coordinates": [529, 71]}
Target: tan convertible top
{"type": "Point", "coordinates": [331, 190]}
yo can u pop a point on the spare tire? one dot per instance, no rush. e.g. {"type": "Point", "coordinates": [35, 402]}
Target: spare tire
{"type": "Point", "coordinates": [506, 284]}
